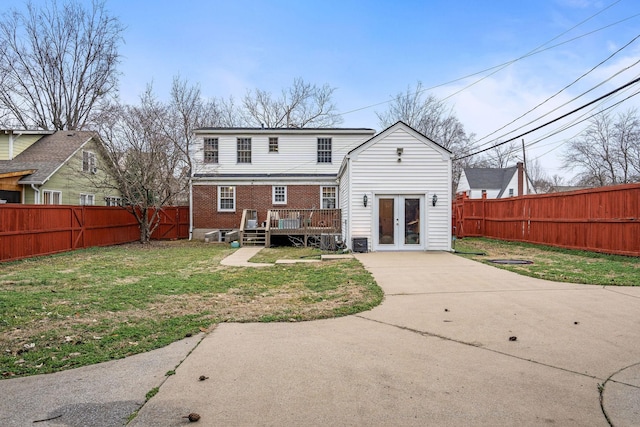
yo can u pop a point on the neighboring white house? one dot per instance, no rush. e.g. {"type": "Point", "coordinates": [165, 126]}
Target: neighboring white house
{"type": "Point", "coordinates": [405, 177]}
{"type": "Point", "coordinates": [494, 183]}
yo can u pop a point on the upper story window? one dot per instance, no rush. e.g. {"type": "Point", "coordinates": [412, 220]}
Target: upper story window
{"type": "Point", "coordinates": [329, 197]}
{"type": "Point", "coordinates": [211, 150]}
{"type": "Point", "coordinates": [273, 144]}
{"type": "Point", "coordinates": [511, 192]}
{"type": "Point", "coordinates": [324, 150]}
{"type": "Point", "coordinates": [244, 150]}
{"type": "Point", "coordinates": [279, 194]}
{"type": "Point", "coordinates": [227, 198]}
{"type": "Point", "coordinates": [89, 162]}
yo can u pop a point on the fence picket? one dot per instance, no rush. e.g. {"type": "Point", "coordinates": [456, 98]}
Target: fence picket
{"type": "Point", "coordinates": [33, 230]}
{"type": "Point", "coordinates": [604, 219]}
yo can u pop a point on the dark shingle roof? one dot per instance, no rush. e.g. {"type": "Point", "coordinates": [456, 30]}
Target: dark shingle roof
{"type": "Point", "coordinates": [489, 178]}
{"type": "Point", "coordinates": [46, 155]}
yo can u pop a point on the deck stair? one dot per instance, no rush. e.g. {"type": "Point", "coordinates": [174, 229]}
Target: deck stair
{"type": "Point", "coordinates": [250, 233]}
{"type": "Point", "coordinates": [254, 237]}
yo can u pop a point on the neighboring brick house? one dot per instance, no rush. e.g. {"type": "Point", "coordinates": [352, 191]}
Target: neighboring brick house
{"type": "Point", "coordinates": [53, 167]}
{"type": "Point", "coordinates": [393, 189]}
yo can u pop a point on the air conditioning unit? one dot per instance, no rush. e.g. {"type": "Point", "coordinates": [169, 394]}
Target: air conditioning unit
{"type": "Point", "coordinates": [329, 242]}
{"type": "Point", "coordinates": [94, 170]}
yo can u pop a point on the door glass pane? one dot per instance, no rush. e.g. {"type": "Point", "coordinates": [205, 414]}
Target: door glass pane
{"type": "Point", "coordinates": [411, 221]}
{"type": "Point", "coordinates": [386, 222]}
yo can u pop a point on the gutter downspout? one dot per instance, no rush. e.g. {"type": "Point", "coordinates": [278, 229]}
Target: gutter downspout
{"type": "Point", "coordinates": [36, 194]}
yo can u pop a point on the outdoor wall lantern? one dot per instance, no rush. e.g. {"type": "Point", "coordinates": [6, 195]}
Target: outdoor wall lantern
{"type": "Point", "coordinates": [434, 199]}
{"type": "Point", "coordinates": [365, 200]}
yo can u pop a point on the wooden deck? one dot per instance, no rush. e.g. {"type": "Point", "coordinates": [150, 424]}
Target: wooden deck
{"type": "Point", "coordinates": [300, 223]}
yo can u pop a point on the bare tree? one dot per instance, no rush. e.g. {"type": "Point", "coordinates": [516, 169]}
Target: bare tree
{"type": "Point", "coordinates": [606, 153]}
{"type": "Point", "coordinates": [434, 119]}
{"type": "Point", "coordinates": [149, 144]}
{"type": "Point", "coordinates": [57, 62]}
{"type": "Point", "coordinates": [502, 156]}
{"type": "Point", "coordinates": [147, 167]}
{"type": "Point", "coordinates": [539, 179]}
{"type": "Point", "coordinates": [301, 105]}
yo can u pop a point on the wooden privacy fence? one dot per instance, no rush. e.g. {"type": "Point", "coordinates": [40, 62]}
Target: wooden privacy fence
{"type": "Point", "coordinates": [605, 219]}
{"type": "Point", "coordinates": [32, 230]}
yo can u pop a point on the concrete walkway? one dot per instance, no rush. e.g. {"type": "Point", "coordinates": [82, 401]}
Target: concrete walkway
{"type": "Point", "coordinates": [438, 351]}
{"type": "Point", "coordinates": [454, 343]}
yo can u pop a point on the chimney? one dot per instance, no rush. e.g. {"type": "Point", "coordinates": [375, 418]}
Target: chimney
{"type": "Point", "coordinates": [520, 178]}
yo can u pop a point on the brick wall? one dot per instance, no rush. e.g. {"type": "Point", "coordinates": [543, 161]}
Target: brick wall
{"type": "Point", "coordinates": [258, 197]}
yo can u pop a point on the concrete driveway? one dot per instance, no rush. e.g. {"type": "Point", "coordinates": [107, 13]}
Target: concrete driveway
{"type": "Point", "coordinates": [436, 352]}
{"type": "Point", "coordinates": [440, 350]}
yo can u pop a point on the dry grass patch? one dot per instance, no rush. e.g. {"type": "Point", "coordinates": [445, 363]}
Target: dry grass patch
{"type": "Point", "coordinates": [94, 305]}
{"type": "Point", "coordinates": [556, 264]}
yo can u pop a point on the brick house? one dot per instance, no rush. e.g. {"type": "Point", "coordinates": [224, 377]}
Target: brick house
{"type": "Point", "coordinates": [317, 179]}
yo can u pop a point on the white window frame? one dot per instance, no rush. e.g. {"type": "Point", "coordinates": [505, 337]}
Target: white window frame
{"type": "Point", "coordinates": [87, 199]}
{"type": "Point", "coordinates": [89, 162]}
{"type": "Point", "coordinates": [113, 201]}
{"type": "Point", "coordinates": [231, 197]}
{"type": "Point", "coordinates": [279, 197]}
{"type": "Point", "coordinates": [243, 150]}
{"type": "Point", "coordinates": [211, 154]}
{"type": "Point", "coordinates": [323, 197]}
{"type": "Point", "coordinates": [511, 192]}
{"type": "Point", "coordinates": [274, 144]}
{"type": "Point", "coordinates": [52, 194]}
{"type": "Point", "coordinates": [325, 150]}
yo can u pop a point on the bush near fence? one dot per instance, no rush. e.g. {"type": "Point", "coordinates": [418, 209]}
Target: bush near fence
{"type": "Point", "coordinates": [33, 230]}
{"type": "Point", "coordinates": [604, 219]}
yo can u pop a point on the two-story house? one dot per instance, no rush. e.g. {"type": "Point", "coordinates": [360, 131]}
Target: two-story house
{"type": "Point", "coordinates": [53, 167]}
{"type": "Point", "coordinates": [391, 191]}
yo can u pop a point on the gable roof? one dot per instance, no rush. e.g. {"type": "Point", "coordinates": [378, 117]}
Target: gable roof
{"type": "Point", "coordinates": [46, 155]}
{"type": "Point", "coordinates": [490, 178]}
{"type": "Point", "coordinates": [398, 124]}
{"type": "Point", "coordinates": [382, 134]}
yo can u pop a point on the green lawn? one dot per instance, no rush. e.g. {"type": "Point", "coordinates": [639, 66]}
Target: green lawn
{"type": "Point", "coordinates": [89, 306]}
{"type": "Point", "coordinates": [556, 264]}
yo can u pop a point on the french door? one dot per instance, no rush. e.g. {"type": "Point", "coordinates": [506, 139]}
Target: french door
{"type": "Point", "coordinates": [399, 223]}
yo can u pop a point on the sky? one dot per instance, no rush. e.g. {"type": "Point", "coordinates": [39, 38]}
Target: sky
{"type": "Point", "coordinates": [492, 61]}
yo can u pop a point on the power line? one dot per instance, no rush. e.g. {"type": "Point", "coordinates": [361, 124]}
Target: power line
{"type": "Point", "coordinates": [503, 65]}
{"type": "Point", "coordinates": [565, 88]}
{"type": "Point", "coordinates": [606, 95]}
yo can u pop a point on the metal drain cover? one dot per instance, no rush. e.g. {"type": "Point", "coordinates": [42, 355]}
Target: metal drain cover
{"type": "Point", "coordinates": [511, 261]}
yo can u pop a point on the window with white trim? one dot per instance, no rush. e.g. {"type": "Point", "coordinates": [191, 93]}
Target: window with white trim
{"type": "Point", "coordinates": [273, 144]}
{"type": "Point", "coordinates": [279, 195]}
{"type": "Point", "coordinates": [324, 150]}
{"type": "Point", "coordinates": [511, 192]}
{"type": "Point", "coordinates": [87, 199]}
{"type": "Point", "coordinates": [244, 150]}
{"type": "Point", "coordinates": [211, 150]}
{"type": "Point", "coordinates": [51, 197]}
{"type": "Point", "coordinates": [89, 162]}
{"type": "Point", "coordinates": [226, 198]}
{"type": "Point", "coordinates": [329, 196]}
{"type": "Point", "coordinates": [113, 201]}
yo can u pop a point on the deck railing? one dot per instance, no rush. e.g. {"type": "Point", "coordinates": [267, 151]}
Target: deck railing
{"type": "Point", "coordinates": [301, 223]}
{"type": "Point", "coordinates": [304, 221]}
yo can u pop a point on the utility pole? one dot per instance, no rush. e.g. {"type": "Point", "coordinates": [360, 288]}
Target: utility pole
{"type": "Point", "coordinates": [524, 160]}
